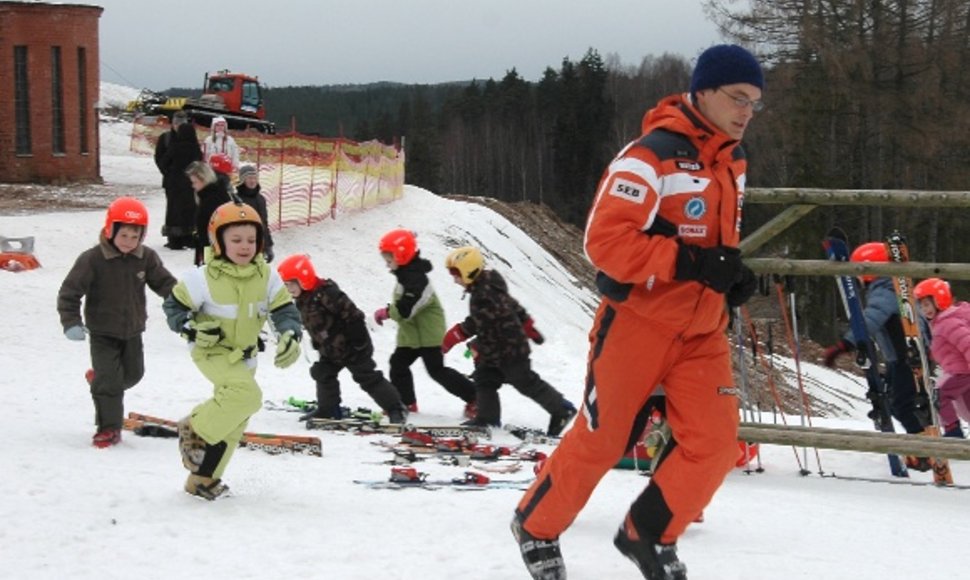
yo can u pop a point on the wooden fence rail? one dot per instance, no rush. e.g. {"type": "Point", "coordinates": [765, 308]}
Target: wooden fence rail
{"type": "Point", "coordinates": [854, 440]}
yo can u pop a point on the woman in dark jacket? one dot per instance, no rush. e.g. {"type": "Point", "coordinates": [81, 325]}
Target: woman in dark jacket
{"type": "Point", "coordinates": [211, 191]}
{"type": "Point", "coordinates": [183, 148]}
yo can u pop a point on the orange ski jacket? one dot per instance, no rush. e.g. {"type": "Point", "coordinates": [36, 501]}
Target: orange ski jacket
{"type": "Point", "coordinates": [683, 178]}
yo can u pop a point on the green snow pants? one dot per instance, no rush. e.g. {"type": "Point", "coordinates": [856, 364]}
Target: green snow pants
{"type": "Point", "coordinates": [235, 398]}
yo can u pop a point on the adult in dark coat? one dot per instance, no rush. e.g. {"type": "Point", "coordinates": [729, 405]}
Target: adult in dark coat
{"type": "Point", "coordinates": [211, 191]}
{"type": "Point", "coordinates": [181, 149]}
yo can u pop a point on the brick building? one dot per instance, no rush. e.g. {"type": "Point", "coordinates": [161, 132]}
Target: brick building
{"type": "Point", "coordinates": [48, 91]}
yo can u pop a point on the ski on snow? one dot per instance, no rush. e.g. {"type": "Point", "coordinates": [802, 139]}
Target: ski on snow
{"type": "Point", "coordinates": [272, 443]}
{"type": "Point", "coordinates": [411, 478]}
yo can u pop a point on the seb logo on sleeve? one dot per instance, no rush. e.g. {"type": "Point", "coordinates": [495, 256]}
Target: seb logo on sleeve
{"type": "Point", "coordinates": [628, 190]}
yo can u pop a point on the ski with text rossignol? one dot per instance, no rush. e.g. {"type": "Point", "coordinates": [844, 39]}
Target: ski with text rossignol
{"type": "Point", "coordinates": [916, 352]}
{"type": "Point", "coordinates": [837, 249]}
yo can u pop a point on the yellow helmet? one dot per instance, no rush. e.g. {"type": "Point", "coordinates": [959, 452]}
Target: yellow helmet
{"type": "Point", "coordinates": [465, 262]}
{"type": "Point", "coordinates": [232, 213]}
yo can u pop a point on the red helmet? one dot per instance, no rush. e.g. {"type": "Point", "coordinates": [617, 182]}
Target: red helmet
{"type": "Point", "coordinates": [937, 289]}
{"type": "Point", "coordinates": [298, 267]}
{"type": "Point", "coordinates": [221, 163]}
{"type": "Point", "coordinates": [401, 244]}
{"type": "Point", "coordinates": [125, 210]}
{"type": "Point", "coordinates": [870, 252]}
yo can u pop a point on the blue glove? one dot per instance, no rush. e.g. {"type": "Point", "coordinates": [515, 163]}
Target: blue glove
{"type": "Point", "coordinates": [287, 350]}
{"type": "Point", "coordinates": [76, 332]}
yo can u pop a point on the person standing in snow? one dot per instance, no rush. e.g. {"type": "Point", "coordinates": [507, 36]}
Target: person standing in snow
{"type": "Point", "coordinates": [111, 279]}
{"type": "Point", "coordinates": [881, 314]}
{"type": "Point", "coordinates": [176, 150]}
{"type": "Point", "coordinates": [220, 308]}
{"type": "Point", "coordinates": [950, 323]}
{"type": "Point", "coordinates": [220, 141]}
{"type": "Point", "coordinates": [211, 186]}
{"type": "Point", "coordinates": [663, 233]}
{"type": "Point", "coordinates": [420, 323]}
{"type": "Point", "coordinates": [337, 331]}
{"type": "Point", "coordinates": [502, 329]}
{"type": "Point", "coordinates": [249, 192]}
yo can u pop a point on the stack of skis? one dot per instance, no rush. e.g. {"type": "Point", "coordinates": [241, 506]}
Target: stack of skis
{"type": "Point", "coordinates": [837, 248]}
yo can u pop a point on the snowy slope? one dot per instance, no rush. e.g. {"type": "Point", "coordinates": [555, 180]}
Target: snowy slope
{"type": "Point", "coordinates": [72, 511]}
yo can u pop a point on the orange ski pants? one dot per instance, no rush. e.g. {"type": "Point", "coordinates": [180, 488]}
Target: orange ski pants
{"type": "Point", "coordinates": [628, 358]}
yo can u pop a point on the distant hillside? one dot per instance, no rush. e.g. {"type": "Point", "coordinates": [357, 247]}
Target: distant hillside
{"type": "Point", "coordinates": [358, 111]}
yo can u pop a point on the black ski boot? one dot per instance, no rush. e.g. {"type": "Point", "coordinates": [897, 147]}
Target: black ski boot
{"type": "Point", "coordinates": [559, 421]}
{"type": "Point", "coordinates": [397, 415]}
{"type": "Point", "coordinates": [542, 558]}
{"type": "Point", "coordinates": [655, 561]}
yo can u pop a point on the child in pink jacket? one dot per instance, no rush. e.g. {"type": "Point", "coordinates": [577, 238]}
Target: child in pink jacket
{"type": "Point", "coordinates": [950, 348]}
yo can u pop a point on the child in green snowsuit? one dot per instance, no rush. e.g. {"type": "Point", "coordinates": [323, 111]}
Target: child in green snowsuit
{"type": "Point", "coordinates": [220, 308]}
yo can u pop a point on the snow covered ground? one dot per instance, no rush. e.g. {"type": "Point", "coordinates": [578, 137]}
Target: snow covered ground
{"type": "Point", "coordinates": [69, 510]}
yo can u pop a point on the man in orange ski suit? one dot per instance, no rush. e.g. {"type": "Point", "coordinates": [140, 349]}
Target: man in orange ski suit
{"type": "Point", "coordinates": [663, 233]}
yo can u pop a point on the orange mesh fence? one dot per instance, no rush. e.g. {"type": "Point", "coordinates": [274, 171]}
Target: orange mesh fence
{"type": "Point", "coordinates": [305, 179]}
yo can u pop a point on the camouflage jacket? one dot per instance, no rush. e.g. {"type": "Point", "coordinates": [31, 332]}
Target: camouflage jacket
{"type": "Point", "coordinates": [335, 325]}
{"type": "Point", "coordinates": [495, 320]}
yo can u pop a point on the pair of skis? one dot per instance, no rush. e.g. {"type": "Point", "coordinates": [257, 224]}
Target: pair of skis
{"type": "Point", "coordinates": [272, 443]}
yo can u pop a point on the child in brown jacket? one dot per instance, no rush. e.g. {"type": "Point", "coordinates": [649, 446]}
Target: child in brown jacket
{"type": "Point", "coordinates": [111, 278]}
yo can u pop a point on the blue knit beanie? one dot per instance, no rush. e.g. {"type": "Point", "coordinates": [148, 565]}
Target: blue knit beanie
{"type": "Point", "coordinates": [726, 64]}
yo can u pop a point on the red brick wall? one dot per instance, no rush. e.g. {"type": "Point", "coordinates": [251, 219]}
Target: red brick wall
{"type": "Point", "coordinates": [40, 27]}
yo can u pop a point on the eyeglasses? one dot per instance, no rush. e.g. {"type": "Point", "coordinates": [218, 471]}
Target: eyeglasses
{"type": "Point", "coordinates": [744, 102]}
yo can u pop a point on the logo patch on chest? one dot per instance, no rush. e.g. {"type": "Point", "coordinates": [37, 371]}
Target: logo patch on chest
{"type": "Point", "coordinates": [628, 190]}
{"type": "Point", "coordinates": [692, 231]}
{"type": "Point", "coordinates": [689, 165]}
{"type": "Point", "coordinates": [695, 208]}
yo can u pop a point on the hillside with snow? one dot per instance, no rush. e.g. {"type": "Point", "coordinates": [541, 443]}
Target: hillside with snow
{"type": "Point", "coordinates": [72, 511]}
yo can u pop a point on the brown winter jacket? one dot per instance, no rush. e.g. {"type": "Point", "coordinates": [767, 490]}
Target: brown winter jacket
{"type": "Point", "coordinates": [495, 320]}
{"type": "Point", "coordinates": [113, 287]}
{"type": "Point", "coordinates": [336, 326]}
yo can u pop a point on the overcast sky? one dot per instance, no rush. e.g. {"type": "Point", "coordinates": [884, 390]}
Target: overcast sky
{"type": "Point", "coordinates": [316, 42]}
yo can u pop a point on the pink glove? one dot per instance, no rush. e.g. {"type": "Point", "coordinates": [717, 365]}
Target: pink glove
{"type": "Point", "coordinates": [454, 335]}
{"type": "Point", "coordinates": [380, 315]}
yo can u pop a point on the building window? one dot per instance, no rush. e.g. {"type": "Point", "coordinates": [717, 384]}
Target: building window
{"type": "Point", "coordinates": [82, 95]}
{"type": "Point", "coordinates": [57, 101]}
{"type": "Point", "coordinates": [21, 100]}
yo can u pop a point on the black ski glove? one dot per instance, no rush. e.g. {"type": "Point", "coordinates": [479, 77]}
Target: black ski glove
{"type": "Point", "coordinates": [718, 268]}
{"type": "Point", "coordinates": [743, 289]}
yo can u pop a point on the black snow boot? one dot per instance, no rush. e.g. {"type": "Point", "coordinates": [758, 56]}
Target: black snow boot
{"type": "Point", "coordinates": [542, 558]}
{"type": "Point", "coordinates": [558, 421]}
{"type": "Point", "coordinates": [655, 561]}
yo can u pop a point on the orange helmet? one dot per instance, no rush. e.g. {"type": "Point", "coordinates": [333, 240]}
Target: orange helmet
{"type": "Point", "coordinates": [221, 163]}
{"type": "Point", "coordinates": [125, 210]}
{"type": "Point", "coordinates": [401, 244]}
{"type": "Point", "coordinates": [937, 289]}
{"type": "Point", "coordinates": [870, 252]}
{"type": "Point", "coordinates": [232, 213]}
{"type": "Point", "coordinates": [298, 267]}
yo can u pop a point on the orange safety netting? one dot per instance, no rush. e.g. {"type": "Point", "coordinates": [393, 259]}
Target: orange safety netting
{"type": "Point", "coordinates": [304, 179]}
